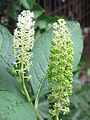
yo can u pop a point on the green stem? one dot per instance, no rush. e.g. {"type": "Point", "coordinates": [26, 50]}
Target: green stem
{"type": "Point", "coordinates": [37, 99]}
{"type": "Point", "coordinates": [38, 93]}
{"type": "Point", "coordinates": [39, 116]}
{"type": "Point", "coordinates": [57, 116]}
{"type": "Point", "coordinates": [23, 82]}
{"type": "Point", "coordinates": [25, 91]}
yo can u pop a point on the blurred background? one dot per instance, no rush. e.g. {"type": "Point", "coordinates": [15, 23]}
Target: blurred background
{"type": "Point", "coordinates": [46, 12]}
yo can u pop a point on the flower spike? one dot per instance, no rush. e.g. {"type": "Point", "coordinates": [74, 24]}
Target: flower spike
{"type": "Point", "coordinates": [22, 47]}
{"type": "Point", "coordinates": [60, 68]}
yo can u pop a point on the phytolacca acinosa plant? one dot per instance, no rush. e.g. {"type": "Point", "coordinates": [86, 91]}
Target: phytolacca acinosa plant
{"type": "Point", "coordinates": [60, 68]}
{"type": "Point", "coordinates": [22, 48]}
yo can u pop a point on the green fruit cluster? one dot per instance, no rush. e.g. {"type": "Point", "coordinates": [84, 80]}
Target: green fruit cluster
{"type": "Point", "coordinates": [60, 68]}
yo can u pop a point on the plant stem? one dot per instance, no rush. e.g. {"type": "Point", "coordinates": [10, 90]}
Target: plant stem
{"type": "Point", "coordinates": [39, 116]}
{"type": "Point", "coordinates": [57, 117]}
{"type": "Point", "coordinates": [25, 91]}
{"type": "Point", "coordinates": [22, 79]}
{"type": "Point", "coordinates": [38, 93]}
{"type": "Point", "coordinates": [37, 100]}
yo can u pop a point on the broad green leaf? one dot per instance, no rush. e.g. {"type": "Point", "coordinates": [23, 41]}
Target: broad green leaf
{"type": "Point", "coordinates": [24, 3]}
{"type": "Point", "coordinates": [13, 104]}
{"type": "Point", "coordinates": [77, 39]}
{"type": "Point", "coordinates": [40, 61]}
{"type": "Point", "coordinates": [31, 3]}
{"type": "Point", "coordinates": [12, 107]}
{"type": "Point", "coordinates": [39, 70]}
{"type": "Point", "coordinates": [41, 58]}
{"type": "Point", "coordinates": [43, 109]}
{"type": "Point", "coordinates": [28, 4]}
{"type": "Point", "coordinates": [41, 55]}
{"type": "Point", "coordinates": [38, 10]}
{"type": "Point", "coordinates": [81, 102]}
{"type": "Point", "coordinates": [12, 12]}
{"type": "Point", "coordinates": [42, 21]}
{"type": "Point", "coordinates": [8, 82]}
{"type": "Point", "coordinates": [6, 56]}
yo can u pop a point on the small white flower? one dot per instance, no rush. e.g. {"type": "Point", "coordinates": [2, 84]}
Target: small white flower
{"type": "Point", "coordinates": [24, 40]}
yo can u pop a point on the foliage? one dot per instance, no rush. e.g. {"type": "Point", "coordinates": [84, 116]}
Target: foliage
{"type": "Point", "coordinates": [6, 56]}
{"type": "Point", "coordinates": [39, 84]}
{"type": "Point", "coordinates": [12, 102]}
{"type": "Point", "coordinates": [80, 103]}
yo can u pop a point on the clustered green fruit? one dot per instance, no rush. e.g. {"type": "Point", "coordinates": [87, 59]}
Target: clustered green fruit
{"type": "Point", "coordinates": [60, 68]}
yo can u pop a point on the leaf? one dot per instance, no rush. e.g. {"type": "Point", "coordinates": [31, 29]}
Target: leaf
{"type": "Point", "coordinates": [38, 10]}
{"type": "Point", "coordinates": [40, 61]}
{"type": "Point", "coordinates": [76, 115]}
{"type": "Point", "coordinates": [42, 21]}
{"type": "Point", "coordinates": [28, 4]}
{"type": "Point", "coordinates": [13, 107]}
{"type": "Point", "coordinates": [77, 39]}
{"type": "Point", "coordinates": [43, 109]}
{"type": "Point", "coordinates": [6, 56]}
{"type": "Point", "coordinates": [12, 11]}
{"type": "Point", "coordinates": [39, 69]}
{"type": "Point", "coordinates": [40, 64]}
{"type": "Point", "coordinates": [81, 102]}
{"type": "Point", "coordinates": [41, 52]}
{"type": "Point", "coordinates": [31, 3]}
{"type": "Point", "coordinates": [13, 104]}
{"type": "Point", "coordinates": [24, 3]}
{"type": "Point", "coordinates": [41, 55]}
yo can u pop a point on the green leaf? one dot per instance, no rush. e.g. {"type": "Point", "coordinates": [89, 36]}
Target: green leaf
{"type": "Point", "coordinates": [6, 56]}
{"type": "Point", "coordinates": [41, 55]}
{"type": "Point", "coordinates": [28, 4]}
{"type": "Point", "coordinates": [43, 109]}
{"type": "Point", "coordinates": [13, 104]}
{"type": "Point", "coordinates": [77, 41]}
{"type": "Point", "coordinates": [40, 62]}
{"type": "Point", "coordinates": [81, 102]}
{"type": "Point", "coordinates": [24, 3]}
{"type": "Point", "coordinates": [39, 70]}
{"type": "Point", "coordinates": [13, 107]}
{"type": "Point", "coordinates": [42, 21]}
{"type": "Point", "coordinates": [38, 10]}
{"type": "Point", "coordinates": [12, 11]}
{"type": "Point", "coordinates": [41, 52]}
